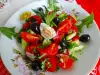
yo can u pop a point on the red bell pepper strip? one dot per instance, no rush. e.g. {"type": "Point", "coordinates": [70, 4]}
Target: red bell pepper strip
{"type": "Point", "coordinates": [30, 38]}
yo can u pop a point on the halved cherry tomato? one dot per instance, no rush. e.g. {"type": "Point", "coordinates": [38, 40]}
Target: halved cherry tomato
{"type": "Point", "coordinates": [26, 25]}
{"type": "Point", "coordinates": [30, 38]}
{"type": "Point", "coordinates": [64, 27]}
{"type": "Point", "coordinates": [72, 19]}
{"type": "Point", "coordinates": [53, 64]}
{"type": "Point", "coordinates": [37, 18]}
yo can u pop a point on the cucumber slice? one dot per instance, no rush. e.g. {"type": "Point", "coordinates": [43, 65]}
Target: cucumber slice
{"type": "Point", "coordinates": [70, 36]}
{"type": "Point", "coordinates": [24, 44]}
{"type": "Point", "coordinates": [75, 49]}
{"type": "Point", "coordinates": [76, 42]}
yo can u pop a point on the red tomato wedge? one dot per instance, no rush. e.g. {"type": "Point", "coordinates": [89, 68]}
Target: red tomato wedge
{"type": "Point", "coordinates": [30, 38]}
{"type": "Point", "coordinates": [65, 62]}
{"type": "Point", "coordinates": [52, 49]}
{"type": "Point", "coordinates": [30, 48]}
{"type": "Point", "coordinates": [53, 64]}
{"type": "Point", "coordinates": [64, 27]}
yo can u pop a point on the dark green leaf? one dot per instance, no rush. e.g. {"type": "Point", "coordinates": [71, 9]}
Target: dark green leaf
{"type": "Point", "coordinates": [75, 58]}
{"type": "Point", "coordinates": [70, 45]}
{"type": "Point", "coordinates": [62, 16]}
{"type": "Point", "coordinates": [86, 22]}
{"type": "Point", "coordinates": [9, 32]}
{"type": "Point", "coordinates": [53, 24]}
{"type": "Point", "coordinates": [50, 17]}
{"type": "Point", "coordinates": [58, 68]}
{"type": "Point", "coordinates": [46, 10]}
{"type": "Point", "coordinates": [17, 51]}
{"type": "Point", "coordinates": [18, 37]}
{"type": "Point", "coordinates": [41, 14]}
{"type": "Point", "coordinates": [44, 65]}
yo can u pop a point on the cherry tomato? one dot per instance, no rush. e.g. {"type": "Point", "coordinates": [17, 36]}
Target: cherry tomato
{"type": "Point", "coordinates": [72, 19]}
{"type": "Point", "coordinates": [64, 27]}
{"type": "Point", "coordinates": [53, 64]}
{"type": "Point", "coordinates": [30, 38]}
{"type": "Point", "coordinates": [37, 18]}
{"type": "Point", "coordinates": [26, 25]}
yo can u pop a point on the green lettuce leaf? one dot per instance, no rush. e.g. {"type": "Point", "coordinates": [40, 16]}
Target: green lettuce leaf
{"type": "Point", "coordinates": [9, 32]}
{"type": "Point", "coordinates": [86, 22]}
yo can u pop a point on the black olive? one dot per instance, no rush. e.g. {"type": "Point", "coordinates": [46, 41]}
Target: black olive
{"type": "Point", "coordinates": [85, 38]}
{"type": "Point", "coordinates": [56, 20]}
{"type": "Point", "coordinates": [36, 65]}
{"type": "Point", "coordinates": [63, 43]}
{"type": "Point", "coordinates": [35, 27]}
{"type": "Point", "coordinates": [39, 9]}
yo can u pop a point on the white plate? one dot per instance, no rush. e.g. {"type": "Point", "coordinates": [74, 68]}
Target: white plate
{"type": "Point", "coordinates": [86, 61]}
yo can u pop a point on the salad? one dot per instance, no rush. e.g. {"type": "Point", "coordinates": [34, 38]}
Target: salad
{"type": "Point", "coordinates": [51, 38]}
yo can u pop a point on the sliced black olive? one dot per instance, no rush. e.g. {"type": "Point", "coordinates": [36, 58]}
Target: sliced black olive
{"type": "Point", "coordinates": [39, 9]}
{"type": "Point", "coordinates": [36, 65]}
{"type": "Point", "coordinates": [56, 20]}
{"type": "Point", "coordinates": [63, 43]}
{"type": "Point", "coordinates": [85, 38]}
{"type": "Point", "coordinates": [35, 27]}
